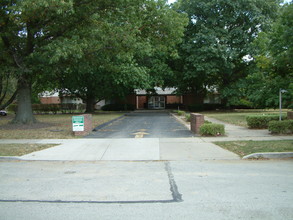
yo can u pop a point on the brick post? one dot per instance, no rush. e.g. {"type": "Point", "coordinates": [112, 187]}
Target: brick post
{"type": "Point", "coordinates": [88, 126]}
{"type": "Point", "coordinates": [290, 115]}
{"type": "Point", "coordinates": [196, 120]}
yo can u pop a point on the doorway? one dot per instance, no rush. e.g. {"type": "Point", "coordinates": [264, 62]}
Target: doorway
{"type": "Point", "coordinates": [156, 102]}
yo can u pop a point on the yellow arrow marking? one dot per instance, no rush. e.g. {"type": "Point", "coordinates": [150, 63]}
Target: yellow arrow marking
{"type": "Point", "coordinates": [139, 134]}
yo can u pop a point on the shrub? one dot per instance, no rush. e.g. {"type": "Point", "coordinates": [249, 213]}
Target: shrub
{"type": "Point", "coordinates": [204, 107]}
{"type": "Point", "coordinates": [118, 107]}
{"type": "Point", "coordinates": [181, 113]}
{"type": "Point", "coordinates": [260, 121]}
{"type": "Point", "coordinates": [187, 117]}
{"type": "Point", "coordinates": [196, 108]}
{"type": "Point", "coordinates": [281, 127]}
{"type": "Point", "coordinates": [174, 106]}
{"type": "Point", "coordinates": [212, 130]}
{"type": "Point", "coordinates": [12, 108]}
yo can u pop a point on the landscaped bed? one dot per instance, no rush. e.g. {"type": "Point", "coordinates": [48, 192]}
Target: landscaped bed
{"type": "Point", "coordinates": [238, 117]}
{"type": "Point", "coordinates": [57, 126]}
{"type": "Point", "coordinates": [243, 148]}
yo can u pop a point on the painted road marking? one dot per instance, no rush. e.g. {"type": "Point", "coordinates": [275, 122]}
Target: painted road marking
{"type": "Point", "coordinates": [140, 134]}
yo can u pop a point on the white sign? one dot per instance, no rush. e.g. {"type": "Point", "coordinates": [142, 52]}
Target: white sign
{"type": "Point", "coordinates": [78, 123]}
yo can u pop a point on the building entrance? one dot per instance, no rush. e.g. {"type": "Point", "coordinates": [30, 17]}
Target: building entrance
{"type": "Point", "coordinates": [156, 102]}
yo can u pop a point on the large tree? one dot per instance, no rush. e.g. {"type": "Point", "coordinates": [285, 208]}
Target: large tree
{"type": "Point", "coordinates": [89, 47]}
{"type": "Point", "coordinates": [133, 42]}
{"type": "Point", "coordinates": [274, 64]}
{"type": "Point", "coordinates": [217, 40]}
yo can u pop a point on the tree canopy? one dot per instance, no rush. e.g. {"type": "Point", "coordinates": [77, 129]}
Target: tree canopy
{"type": "Point", "coordinates": [92, 48]}
{"type": "Point", "coordinates": [218, 43]}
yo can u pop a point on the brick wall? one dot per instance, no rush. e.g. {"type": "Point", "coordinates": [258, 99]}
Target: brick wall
{"type": "Point", "coordinates": [196, 120]}
{"type": "Point", "coordinates": [50, 100]}
{"type": "Point", "coordinates": [141, 101]}
{"type": "Point", "coordinates": [171, 99]}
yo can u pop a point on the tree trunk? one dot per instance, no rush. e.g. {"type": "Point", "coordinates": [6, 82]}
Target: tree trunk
{"type": "Point", "coordinates": [24, 113]}
{"type": "Point", "coordinates": [90, 103]}
{"type": "Point", "coordinates": [3, 106]}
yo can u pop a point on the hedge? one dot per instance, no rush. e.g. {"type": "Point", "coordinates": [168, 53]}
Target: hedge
{"type": "Point", "coordinates": [281, 127]}
{"type": "Point", "coordinates": [212, 130]}
{"type": "Point", "coordinates": [261, 121]}
{"type": "Point", "coordinates": [118, 107]}
{"type": "Point", "coordinates": [204, 107]}
{"type": "Point", "coordinates": [51, 108]}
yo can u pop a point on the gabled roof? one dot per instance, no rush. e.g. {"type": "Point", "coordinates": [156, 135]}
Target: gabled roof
{"type": "Point", "coordinates": [158, 91]}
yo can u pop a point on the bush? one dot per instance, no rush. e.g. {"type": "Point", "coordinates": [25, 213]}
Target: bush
{"type": "Point", "coordinates": [260, 121]}
{"type": "Point", "coordinates": [196, 108]}
{"type": "Point", "coordinates": [174, 106]}
{"type": "Point", "coordinates": [180, 113]}
{"type": "Point", "coordinates": [204, 107]}
{"type": "Point", "coordinates": [281, 127]}
{"type": "Point", "coordinates": [212, 130]}
{"type": "Point", "coordinates": [118, 107]}
{"type": "Point", "coordinates": [187, 117]}
{"type": "Point", "coordinates": [12, 108]}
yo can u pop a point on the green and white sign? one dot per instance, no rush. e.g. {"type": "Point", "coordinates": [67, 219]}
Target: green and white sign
{"type": "Point", "coordinates": [78, 123]}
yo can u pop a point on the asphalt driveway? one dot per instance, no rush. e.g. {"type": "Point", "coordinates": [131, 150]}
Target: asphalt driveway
{"type": "Point", "coordinates": [143, 125]}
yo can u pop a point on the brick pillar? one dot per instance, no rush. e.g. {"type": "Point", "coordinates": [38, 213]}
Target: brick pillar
{"type": "Point", "coordinates": [88, 126]}
{"type": "Point", "coordinates": [290, 115]}
{"type": "Point", "coordinates": [196, 120]}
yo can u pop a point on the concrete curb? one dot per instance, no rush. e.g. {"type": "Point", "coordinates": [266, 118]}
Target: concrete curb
{"type": "Point", "coordinates": [180, 120]}
{"type": "Point", "coordinates": [9, 158]}
{"type": "Point", "coordinates": [277, 155]}
{"type": "Point", "coordinates": [107, 123]}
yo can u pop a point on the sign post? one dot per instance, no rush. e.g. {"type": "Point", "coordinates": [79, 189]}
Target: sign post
{"type": "Point", "coordinates": [78, 123]}
{"type": "Point", "coordinates": [280, 102]}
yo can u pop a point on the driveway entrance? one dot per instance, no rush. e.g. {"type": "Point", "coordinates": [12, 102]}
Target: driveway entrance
{"type": "Point", "coordinates": [158, 124]}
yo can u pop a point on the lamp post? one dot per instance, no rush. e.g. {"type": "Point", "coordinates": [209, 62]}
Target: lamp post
{"type": "Point", "coordinates": [280, 102]}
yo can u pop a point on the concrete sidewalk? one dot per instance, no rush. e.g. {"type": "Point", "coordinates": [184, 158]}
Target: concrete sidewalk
{"type": "Point", "coordinates": [132, 149]}
{"type": "Point", "coordinates": [237, 133]}
{"type": "Point", "coordinates": [129, 149]}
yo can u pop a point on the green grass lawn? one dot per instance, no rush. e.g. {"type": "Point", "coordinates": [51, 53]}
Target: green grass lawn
{"type": "Point", "coordinates": [22, 149]}
{"type": "Point", "coordinates": [238, 117]}
{"type": "Point", "coordinates": [243, 148]}
{"type": "Point", "coordinates": [49, 127]}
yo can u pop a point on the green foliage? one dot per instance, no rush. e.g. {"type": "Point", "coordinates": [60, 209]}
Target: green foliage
{"type": "Point", "coordinates": [181, 113]}
{"type": "Point", "coordinates": [196, 108]}
{"type": "Point", "coordinates": [95, 49]}
{"type": "Point", "coordinates": [12, 108]}
{"type": "Point", "coordinates": [187, 117]}
{"type": "Point", "coordinates": [218, 37]}
{"type": "Point", "coordinates": [118, 107]}
{"type": "Point", "coordinates": [212, 129]}
{"type": "Point", "coordinates": [260, 121]}
{"type": "Point", "coordinates": [281, 127]}
{"type": "Point", "coordinates": [204, 107]}
{"type": "Point", "coordinates": [274, 64]}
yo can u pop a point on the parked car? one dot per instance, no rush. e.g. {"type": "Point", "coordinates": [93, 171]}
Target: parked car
{"type": "Point", "coordinates": [3, 113]}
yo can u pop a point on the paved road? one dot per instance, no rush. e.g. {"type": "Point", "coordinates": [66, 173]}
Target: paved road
{"type": "Point", "coordinates": [143, 124]}
{"type": "Point", "coordinates": [233, 189]}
